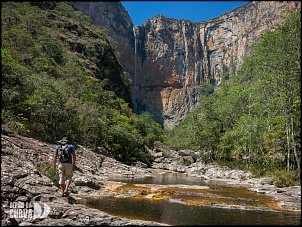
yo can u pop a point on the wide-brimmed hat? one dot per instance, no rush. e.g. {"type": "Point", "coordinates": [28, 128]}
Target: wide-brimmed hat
{"type": "Point", "coordinates": [64, 140]}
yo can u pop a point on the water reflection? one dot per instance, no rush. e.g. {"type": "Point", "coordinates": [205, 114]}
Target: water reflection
{"type": "Point", "coordinates": [179, 214]}
{"type": "Point", "coordinates": [168, 178]}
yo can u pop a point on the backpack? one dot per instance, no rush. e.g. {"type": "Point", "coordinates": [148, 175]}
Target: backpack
{"type": "Point", "coordinates": [63, 154]}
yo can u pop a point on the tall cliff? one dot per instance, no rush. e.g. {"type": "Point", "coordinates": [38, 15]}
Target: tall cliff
{"type": "Point", "coordinates": [175, 58]}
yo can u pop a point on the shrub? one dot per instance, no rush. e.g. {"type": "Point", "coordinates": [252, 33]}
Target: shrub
{"type": "Point", "coordinates": [47, 170]}
{"type": "Point", "coordinates": [282, 178]}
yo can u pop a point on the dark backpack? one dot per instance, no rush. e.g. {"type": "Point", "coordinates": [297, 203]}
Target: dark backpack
{"type": "Point", "coordinates": [63, 154]}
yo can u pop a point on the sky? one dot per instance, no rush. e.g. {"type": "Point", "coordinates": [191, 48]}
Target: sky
{"type": "Point", "coordinates": [195, 11]}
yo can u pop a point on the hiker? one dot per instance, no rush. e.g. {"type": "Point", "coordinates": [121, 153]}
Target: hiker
{"type": "Point", "coordinates": [65, 154]}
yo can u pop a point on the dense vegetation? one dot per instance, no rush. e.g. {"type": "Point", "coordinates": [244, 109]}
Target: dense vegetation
{"type": "Point", "coordinates": [253, 119]}
{"type": "Point", "coordinates": [61, 77]}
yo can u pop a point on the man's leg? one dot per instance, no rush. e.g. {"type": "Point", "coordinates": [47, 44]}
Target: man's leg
{"type": "Point", "coordinates": [67, 182]}
{"type": "Point", "coordinates": [69, 173]}
{"type": "Point", "coordinates": [62, 188]}
{"type": "Point", "coordinates": [62, 176]}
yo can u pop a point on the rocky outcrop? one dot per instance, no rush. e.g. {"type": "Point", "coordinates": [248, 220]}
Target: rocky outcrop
{"type": "Point", "coordinates": [179, 56]}
{"type": "Point", "coordinates": [175, 58]}
{"type": "Point", "coordinates": [26, 166]}
{"type": "Point", "coordinates": [191, 163]}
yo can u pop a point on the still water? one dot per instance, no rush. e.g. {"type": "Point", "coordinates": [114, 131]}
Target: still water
{"type": "Point", "coordinates": [171, 213]}
{"type": "Point", "coordinates": [179, 214]}
{"type": "Point", "coordinates": [168, 178]}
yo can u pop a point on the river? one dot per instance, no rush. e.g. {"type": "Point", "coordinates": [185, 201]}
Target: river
{"type": "Point", "coordinates": [174, 211]}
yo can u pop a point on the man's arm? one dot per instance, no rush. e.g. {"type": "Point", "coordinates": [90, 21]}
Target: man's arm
{"type": "Point", "coordinates": [74, 159]}
{"type": "Point", "coordinates": [55, 161]}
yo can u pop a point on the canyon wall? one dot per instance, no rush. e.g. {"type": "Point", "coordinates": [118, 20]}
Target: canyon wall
{"type": "Point", "coordinates": [175, 58]}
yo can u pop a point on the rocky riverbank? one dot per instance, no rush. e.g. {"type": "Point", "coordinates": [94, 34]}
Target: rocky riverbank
{"type": "Point", "coordinates": [25, 186]}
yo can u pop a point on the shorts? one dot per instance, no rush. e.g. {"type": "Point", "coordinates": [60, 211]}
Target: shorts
{"type": "Point", "coordinates": [65, 172]}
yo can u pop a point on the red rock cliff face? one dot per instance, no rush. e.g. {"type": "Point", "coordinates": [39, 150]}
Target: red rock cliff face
{"type": "Point", "coordinates": [176, 57]}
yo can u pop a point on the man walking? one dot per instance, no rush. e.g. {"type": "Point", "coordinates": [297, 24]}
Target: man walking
{"type": "Point", "coordinates": [65, 157]}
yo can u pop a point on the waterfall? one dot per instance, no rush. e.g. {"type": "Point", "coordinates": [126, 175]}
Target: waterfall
{"type": "Point", "coordinates": [134, 58]}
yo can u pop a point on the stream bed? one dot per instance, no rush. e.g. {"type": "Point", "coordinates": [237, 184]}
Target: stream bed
{"type": "Point", "coordinates": [213, 203]}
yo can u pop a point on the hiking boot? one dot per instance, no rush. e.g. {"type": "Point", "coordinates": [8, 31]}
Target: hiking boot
{"type": "Point", "coordinates": [66, 193]}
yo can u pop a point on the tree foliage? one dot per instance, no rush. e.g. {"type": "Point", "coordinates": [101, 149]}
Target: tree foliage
{"type": "Point", "coordinates": [61, 77]}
